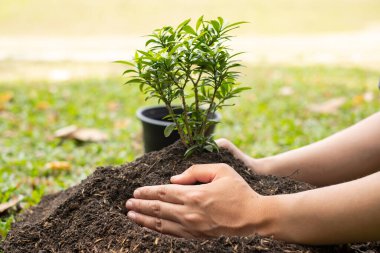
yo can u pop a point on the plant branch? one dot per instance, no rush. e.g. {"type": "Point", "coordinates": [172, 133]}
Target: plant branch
{"type": "Point", "coordinates": [185, 112]}
{"type": "Point", "coordinates": [196, 90]}
{"type": "Point", "coordinates": [203, 127]}
{"type": "Point", "coordinates": [186, 118]}
{"type": "Point", "coordinates": [196, 98]}
{"type": "Point", "coordinates": [179, 129]}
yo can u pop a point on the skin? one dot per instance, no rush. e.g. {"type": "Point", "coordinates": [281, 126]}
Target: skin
{"type": "Point", "coordinates": [344, 209]}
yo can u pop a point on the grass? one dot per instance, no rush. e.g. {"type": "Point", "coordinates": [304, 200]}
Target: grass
{"type": "Point", "coordinates": [263, 122]}
{"type": "Point", "coordinates": [120, 17]}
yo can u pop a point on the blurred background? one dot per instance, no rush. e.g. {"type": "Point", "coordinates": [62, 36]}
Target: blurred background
{"type": "Point", "coordinates": [280, 31]}
{"type": "Point", "coordinates": [313, 66]}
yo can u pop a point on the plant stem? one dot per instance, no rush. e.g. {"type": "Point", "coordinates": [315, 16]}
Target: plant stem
{"type": "Point", "coordinates": [185, 114]}
{"type": "Point", "coordinates": [197, 112]}
{"type": "Point", "coordinates": [185, 118]}
{"type": "Point", "coordinates": [180, 130]}
{"type": "Point", "coordinates": [196, 91]}
{"type": "Point", "coordinates": [203, 127]}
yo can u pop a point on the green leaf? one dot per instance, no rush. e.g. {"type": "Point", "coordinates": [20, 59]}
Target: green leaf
{"type": "Point", "coordinates": [141, 86]}
{"type": "Point", "coordinates": [126, 63]}
{"type": "Point", "coordinates": [174, 49]}
{"type": "Point", "coordinates": [134, 80]}
{"type": "Point", "coordinates": [236, 54]}
{"type": "Point", "coordinates": [151, 41]}
{"type": "Point", "coordinates": [235, 24]}
{"type": "Point", "coordinates": [129, 71]}
{"type": "Point", "coordinates": [209, 148]}
{"type": "Point", "coordinates": [190, 30]}
{"type": "Point", "coordinates": [221, 21]}
{"type": "Point", "coordinates": [169, 129]}
{"type": "Point", "coordinates": [184, 23]}
{"type": "Point", "coordinates": [238, 90]}
{"type": "Point", "coordinates": [191, 150]}
{"type": "Point", "coordinates": [199, 22]}
{"type": "Point", "coordinates": [212, 142]}
{"type": "Point", "coordinates": [216, 25]}
{"type": "Point", "coordinates": [149, 56]}
{"type": "Point", "coordinates": [169, 117]}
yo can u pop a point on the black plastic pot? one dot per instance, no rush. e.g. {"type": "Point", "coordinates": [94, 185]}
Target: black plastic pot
{"type": "Point", "coordinates": [154, 126]}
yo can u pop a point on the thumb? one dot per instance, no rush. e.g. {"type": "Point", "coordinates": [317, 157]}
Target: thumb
{"type": "Point", "coordinates": [204, 173]}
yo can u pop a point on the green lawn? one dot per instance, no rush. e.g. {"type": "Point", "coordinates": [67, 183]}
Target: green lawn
{"type": "Point", "coordinates": [264, 122]}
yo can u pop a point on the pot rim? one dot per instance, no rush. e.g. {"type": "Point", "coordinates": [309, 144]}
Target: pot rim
{"type": "Point", "coordinates": [146, 119]}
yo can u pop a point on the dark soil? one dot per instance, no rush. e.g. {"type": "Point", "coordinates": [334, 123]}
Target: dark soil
{"type": "Point", "coordinates": [91, 216]}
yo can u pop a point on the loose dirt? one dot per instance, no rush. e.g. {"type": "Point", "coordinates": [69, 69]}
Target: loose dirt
{"type": "Point", "coordinates": [91, 216]}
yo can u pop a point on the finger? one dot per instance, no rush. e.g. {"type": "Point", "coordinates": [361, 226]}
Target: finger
{"type": "Point", "coordinates": [156, 208]}
{"type": "Point", "coordinates": [223, 142]}
{"type": "Point", "coordinates": [160, 225]}
{"type": "Point", "coordinates": [166, 193]}
{"type": "Point", "coordinates": [235, 151]}
{"type": "Point", "coordinates": [204, 173]}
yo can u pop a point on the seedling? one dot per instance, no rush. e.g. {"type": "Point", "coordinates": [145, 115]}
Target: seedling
{"type": "Point", "coordinates": [191, 66]}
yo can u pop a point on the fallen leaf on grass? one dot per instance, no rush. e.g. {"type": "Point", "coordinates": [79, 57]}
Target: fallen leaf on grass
{"type": "Point", "coordinates": [34, 182]}
{"type": "Point", "coordinates": [360, 99]}
{"type": "Point", "coordinates": [122, 124]}
{"type": "Point", "coordinates": [42, 105]}
{"type": "Point", "coordinates": [113, 106]}
{"type": "Point", "coordinates": [90, 134]}
{"type": "Point", "coordinates": [5, 97]}
{"type": "Point", "coordinates": [58, 166]}
{"type": "Point", "coordinates": [81, 134]}
{"type": "Point", "coordinates": [329, 107]}
{"type": "Point", "coordinates": [65, 132]}
{"type": "Point", "coordinates": [11, 203]}
{"type": "Point", "coordinates": [10, 117]}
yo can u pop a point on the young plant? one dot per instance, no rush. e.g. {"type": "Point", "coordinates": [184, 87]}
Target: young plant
{"type": "Point", "coordinates": [192, 65]}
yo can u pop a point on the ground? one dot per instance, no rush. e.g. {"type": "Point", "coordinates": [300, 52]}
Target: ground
{"type": "Point", "coordinates": [56, 70]}
{"type": "Point", "coordinates": [288, 107]}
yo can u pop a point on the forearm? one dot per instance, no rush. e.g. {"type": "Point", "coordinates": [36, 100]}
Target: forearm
{"type": "Point", "coordinates": [347, 155]}
{"type": "Point", "coordinates": [343, 213]}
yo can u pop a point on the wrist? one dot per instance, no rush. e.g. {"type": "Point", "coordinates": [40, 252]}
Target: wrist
{"type": "Point", "coordinates": [265, 216]}
{"type": "Point", "coordinates": [262, 166]}
{"type": "Point", "coordinates": [281, 218]}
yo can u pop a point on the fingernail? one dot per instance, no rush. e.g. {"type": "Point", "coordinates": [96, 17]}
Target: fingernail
{"type": "Point", "coordinates": [131, 215]}
{"type": "Point", "coordinates": [129, 204]}
{"type": "Point", "coordinates": [175, 178]}
{"type": "Point", "coordinates": [136, 193]}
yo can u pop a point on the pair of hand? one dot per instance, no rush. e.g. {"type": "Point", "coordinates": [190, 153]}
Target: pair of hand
{"type": "Point", "coordinates": [224, 205]}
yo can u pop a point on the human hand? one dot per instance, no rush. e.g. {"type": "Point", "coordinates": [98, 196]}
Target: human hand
{"type": "Point", "coordinates": [248, 161]}
{"type": "Point", "coordinates": [224, 205]}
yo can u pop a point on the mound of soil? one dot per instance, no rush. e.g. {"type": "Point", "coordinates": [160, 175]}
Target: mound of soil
{"type": "Point", "coordinates": [91, 216]}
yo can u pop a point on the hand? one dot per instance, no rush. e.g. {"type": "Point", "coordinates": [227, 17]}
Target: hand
{"type": "Point", "coordinates": [248, 161]}
{"type": "Point", "coordinates": [224, 205]}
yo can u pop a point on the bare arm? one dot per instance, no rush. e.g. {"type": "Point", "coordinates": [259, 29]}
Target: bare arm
{"type": "Point", "coordinates": [226, 205]}
{"type": "Point", "coordinates": [346, 155]}
{"type": "Point", "coordinates": [347, 212]}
